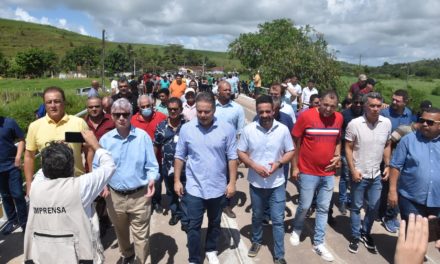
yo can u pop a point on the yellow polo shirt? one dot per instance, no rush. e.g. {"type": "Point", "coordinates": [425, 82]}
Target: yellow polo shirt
{"type": "Point", "coordinates": [45, 130]}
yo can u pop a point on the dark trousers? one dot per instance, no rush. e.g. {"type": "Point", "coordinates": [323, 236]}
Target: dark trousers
{"type": "Point", "coordinates": [11, 190]}
{"type": "Point", "coordinates": [175, 207]}
{"type": "Point", "coordinates": [196, 208]}
{"type": "Point", "coordinates": [407, 207]}
{"type": "Point", "coordinates": [384, 209]}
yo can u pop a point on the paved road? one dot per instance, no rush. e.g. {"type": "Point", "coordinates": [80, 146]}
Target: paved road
{"type": "Point", "coordinates": [168, 243]}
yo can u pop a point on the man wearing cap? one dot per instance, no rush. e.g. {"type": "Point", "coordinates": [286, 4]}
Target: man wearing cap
{"type": "Point", "coordinates": [306, 93]}
{"type": "Point", "coordinates": [189, 106]}
{"type": "Point", "coordinates": [355, 87]}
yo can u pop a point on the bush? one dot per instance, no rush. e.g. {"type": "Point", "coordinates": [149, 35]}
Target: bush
{"type": "Point", "coordinates": [436, 91]}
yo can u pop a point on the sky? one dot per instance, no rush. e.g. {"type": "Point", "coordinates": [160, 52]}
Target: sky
{"type": "Point", "coordinates": [370, 31]}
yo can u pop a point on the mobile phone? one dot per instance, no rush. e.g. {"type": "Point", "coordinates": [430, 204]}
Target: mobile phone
{"type": "Point", "coordinates": [74, 137]}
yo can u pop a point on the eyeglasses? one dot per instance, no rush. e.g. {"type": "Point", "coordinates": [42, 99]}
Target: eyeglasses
{"type": "Point", "coordinates": [428, 121]}
{"type": "Point", "coordinates": [173, 109]}
{"type": "Point", "coordinates": [144, 106]}
{"type": "Point", "coordinates": [93, 106]}
{"type": "Point", "coordinates": [118, 115]}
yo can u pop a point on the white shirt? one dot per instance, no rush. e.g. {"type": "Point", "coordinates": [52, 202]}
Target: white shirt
{"type": "Point", "coordinates": [264, 147]}
{"type": "Point", "coordinates": [114, 86]}
{"type": "Point", "coordinates": [369, 141]}
{"type": "Point", "coordinates": [288, 109]}
{"type": "Point", "coordinates": [92, 183]}
{"type": "Point", "coordinates": [305, 96]}
{"type": "Point", "coordinates": [298, 91]}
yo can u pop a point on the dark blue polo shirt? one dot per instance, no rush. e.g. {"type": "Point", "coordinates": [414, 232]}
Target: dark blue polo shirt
{"type": "Point", "coordinates": [9, 133]}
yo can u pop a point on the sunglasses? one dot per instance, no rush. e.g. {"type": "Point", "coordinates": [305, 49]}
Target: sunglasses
{"type": "Point", "coordinates": [173, 109]}
{"type": "Point", "coordinates": [428, 121]}
{"type": "Point", "coordinates": [118, 115]}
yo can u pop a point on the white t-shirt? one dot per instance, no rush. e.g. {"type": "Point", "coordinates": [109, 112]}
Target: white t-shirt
{"type": "Point", "coordinates": [305, 96]}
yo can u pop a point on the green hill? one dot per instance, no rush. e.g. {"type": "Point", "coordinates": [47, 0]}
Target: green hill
{"type": "Point", "coordinates": [18, 36]}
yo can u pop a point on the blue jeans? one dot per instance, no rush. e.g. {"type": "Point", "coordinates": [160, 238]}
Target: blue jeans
{"type": "Point", "coordinates": [373, 189]}
{"type": "Point", "coordinates": [11, 190]}
{"type": "Point", "coordinates": [344, 182]}
{"type": "Point", "coordinates": [196, 207]}
{"type": "Point", "coordinates": [275, 198]}
{"type": "Point", "coordinates": [308, 185]}
{"type": "Point", "coordinates": [407, 207]}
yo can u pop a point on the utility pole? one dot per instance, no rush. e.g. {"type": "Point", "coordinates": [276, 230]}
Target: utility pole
{"type": "Point", "coordinates": [407, 75]}
{"type": "Point", "coordinates": [102, 61]}
{"type": "Point", "coordinates": [134, 65]}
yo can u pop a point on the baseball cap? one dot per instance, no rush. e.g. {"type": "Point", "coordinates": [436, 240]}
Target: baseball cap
{"type": "Point", "coordinates": [188, 90]}
{"type": "Point", "coordinates": [362, 77]}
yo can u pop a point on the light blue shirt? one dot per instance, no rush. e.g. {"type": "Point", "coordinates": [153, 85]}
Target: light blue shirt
{"type": "Point", "coordinates": [206, 152]}
{"type": "Point", "coordinates": [417, 158]}
{"type": "Point", "coordinates": [232, 113]}
{"type": "Point", "coordinates": [92, 93]}
{"type": "Point", "coordinates": [134, 157]}
{"type": "Point", "coordinates": [396, 120]}
{"type": "Point", "coordinates": [264, 147]}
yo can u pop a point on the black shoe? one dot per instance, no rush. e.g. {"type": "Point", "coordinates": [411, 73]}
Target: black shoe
{"type": "Point", "coordinates": [280, 261]}
{"type": "Point", "coordinates": [158, 208]}
{"type": "Point", "coordinates": [126, 260]}
{"type": "Point", "coordinates": [184, 228]}
{"type": "Point", "coordinates": [310, 212]}
{"type": "Point", "coordinates": [368, 242]}
{"type": "Point", "coordinates": [253, 251]}
{"type": "Point", "coordinates": [343, 209]}
{"type": "Point", "coordinates": [228, 211]}
{"type": "Point", "coordinates": [354, 245]}
{"type": "Point", "coordinates": [9, 227]}
{"type": "Point", "coordinates": [174, 220]}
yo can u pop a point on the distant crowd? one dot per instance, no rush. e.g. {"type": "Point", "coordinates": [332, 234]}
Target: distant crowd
{"type": "Point", "coordinates": [190, 135]}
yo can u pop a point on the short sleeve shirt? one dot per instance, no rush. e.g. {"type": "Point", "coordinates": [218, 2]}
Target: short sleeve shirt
{"type": "Point", "coordinates": [9, 133]}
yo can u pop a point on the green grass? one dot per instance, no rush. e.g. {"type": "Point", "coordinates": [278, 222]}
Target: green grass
{"type": "Point", "coordinates": [19, 101]}
{"type": "Point", "coordinates": [423, 85]}
{"type": "Point", "coordinates": [19, 36]}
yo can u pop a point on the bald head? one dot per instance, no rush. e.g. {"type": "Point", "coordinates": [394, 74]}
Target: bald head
{"type": "Point", "coordinates": [224, 92]}
{"type": "Point", "coordinates": [95, 84]}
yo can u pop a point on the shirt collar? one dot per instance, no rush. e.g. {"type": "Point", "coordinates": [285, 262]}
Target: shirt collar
{"type": "Point", "coordinates": [214, 123]}
{"type": "Point", "coordinates": [63, 120]}
{"type": "Point", "coordinates": [274, 126]}
{"type": "Point", "coordinates": [217, 103]}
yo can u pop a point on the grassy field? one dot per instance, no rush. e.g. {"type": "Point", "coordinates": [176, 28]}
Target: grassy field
{"type": "Point", "coordinates": [18, 36]}
{"type": "Point", "coordinates": [19, 98]}
{"type": "Point", "coordinates": [392, 84]}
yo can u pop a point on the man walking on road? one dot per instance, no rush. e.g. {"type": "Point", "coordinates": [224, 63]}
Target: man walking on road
{"type": "Point", "coordinates": [208, 146]}
{"type": "Point", "coordinates": [318, 152]}
{"type": "Point", "coordinates": [266, 146]}
{"type": "Point", "coordinates": [367, 143]}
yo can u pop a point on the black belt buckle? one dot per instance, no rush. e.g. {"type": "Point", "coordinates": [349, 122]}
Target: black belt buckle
{"type": "Point", "coordinates": [128, 191]}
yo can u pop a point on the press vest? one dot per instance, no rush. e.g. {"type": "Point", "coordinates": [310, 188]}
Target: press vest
{"type": "Point", "coordinates": [58, 229]}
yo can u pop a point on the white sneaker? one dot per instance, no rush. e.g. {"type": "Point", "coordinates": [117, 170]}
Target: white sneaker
{"type": "Point", "coordinates": [294, 239]}
{"type": "Point", "coordinates": [323, 252]}
{"type": "Point", "coordinates": [212, 257]}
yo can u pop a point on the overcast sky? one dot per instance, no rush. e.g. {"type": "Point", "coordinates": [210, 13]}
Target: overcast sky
{"type": "Point", "coordinates": [378, 30]}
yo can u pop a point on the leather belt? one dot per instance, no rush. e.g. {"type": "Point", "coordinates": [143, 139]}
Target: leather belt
{"type": "Point", "coordinates": [127, 192]}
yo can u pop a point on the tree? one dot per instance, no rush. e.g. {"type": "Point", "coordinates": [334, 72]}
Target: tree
{"type": "Point", "coordinates": [117, 61]}
{"type": "Point", "coordinates": [35, 62]}
{"type": "Point", "coordinates": [279, 49]}
{"type": "Point", "coordinates": [4, 64]}
{"type": "Point", "coordinates": [84, 57]}
{"type": "Point", "coordinates": [174, 54]}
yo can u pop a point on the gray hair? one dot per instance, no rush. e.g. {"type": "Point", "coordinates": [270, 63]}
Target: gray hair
{"type": "Point", "coordinates": [57, 160]}
{"type": "Point", "coordinates": [372, 95]}
{"type": "Point", "coordinates": [149, 97]}
{"type": "Point", "coordinates": [122, 103]}
{"type": "Point", "coordinates": [206, 97]}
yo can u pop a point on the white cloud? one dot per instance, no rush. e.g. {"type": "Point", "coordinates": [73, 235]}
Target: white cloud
{"type": "Point", "coordinates": [380, 30]}
{"type": "Point", "coordinates": [62, 22]}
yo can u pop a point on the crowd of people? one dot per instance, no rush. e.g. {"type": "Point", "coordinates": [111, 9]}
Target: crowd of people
{"type": "Point", "coordinates": [191, 135]}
